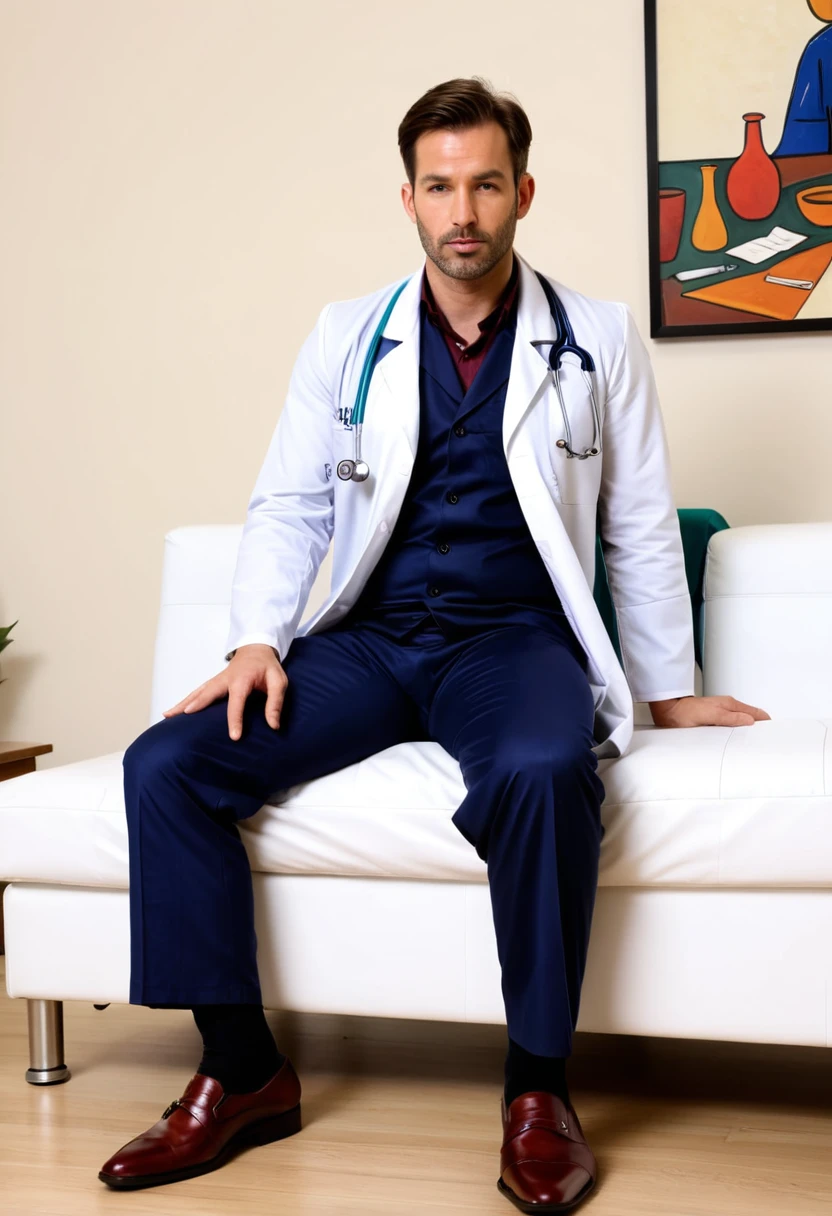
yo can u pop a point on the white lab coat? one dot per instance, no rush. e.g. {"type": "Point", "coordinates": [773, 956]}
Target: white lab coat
{"type": "Point", "coordinates": [299, 504]}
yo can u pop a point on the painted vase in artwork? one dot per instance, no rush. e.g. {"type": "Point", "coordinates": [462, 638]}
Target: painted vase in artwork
{"type": "Point", "coordinates": [753, 185]}
{"type": "Point", "coordinates": [709, 231]}
{"type": "Point", "coordinates": [671, 220]}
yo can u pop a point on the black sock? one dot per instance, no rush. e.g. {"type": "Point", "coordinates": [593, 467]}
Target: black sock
{"type": "Point", "coordinates": [525, 1072]}
{"type": "Point", "coordinates": [239, 1049]}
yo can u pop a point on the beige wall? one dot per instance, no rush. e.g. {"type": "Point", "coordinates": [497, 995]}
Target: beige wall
{"type": "Point", "coordinates": [718, 61]}
{"type": "Point", "coordinates": [185, 183]}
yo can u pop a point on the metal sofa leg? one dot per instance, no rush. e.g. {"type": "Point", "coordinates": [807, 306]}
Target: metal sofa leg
{"type": "Point", "coordinates": [46, 1043]}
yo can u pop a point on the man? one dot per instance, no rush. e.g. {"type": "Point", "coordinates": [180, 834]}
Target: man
{"type": "Point", "coordinates": [445, 623]}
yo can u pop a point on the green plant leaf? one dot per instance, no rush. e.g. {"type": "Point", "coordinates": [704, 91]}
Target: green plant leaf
{"type": "Point", "coordinates": [5, 640]}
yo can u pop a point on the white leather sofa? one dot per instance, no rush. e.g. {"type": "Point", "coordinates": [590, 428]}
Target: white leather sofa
{"type": "Point", "coordinates": [714, 909]}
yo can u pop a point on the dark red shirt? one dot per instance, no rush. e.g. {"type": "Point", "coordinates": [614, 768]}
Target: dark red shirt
{"type": "Point", "coordinates": [468, 356]}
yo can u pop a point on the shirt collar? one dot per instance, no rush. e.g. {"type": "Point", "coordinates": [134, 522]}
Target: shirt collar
{"type": "Point", "coordinates": [496, 318]}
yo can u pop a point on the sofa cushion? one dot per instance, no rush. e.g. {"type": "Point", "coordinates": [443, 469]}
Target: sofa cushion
{"type": "Point", "coordinates": [708, 806]}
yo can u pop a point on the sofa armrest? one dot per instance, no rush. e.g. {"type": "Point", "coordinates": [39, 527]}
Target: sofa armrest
{"type": "Point", "coordinates": [767, 608]}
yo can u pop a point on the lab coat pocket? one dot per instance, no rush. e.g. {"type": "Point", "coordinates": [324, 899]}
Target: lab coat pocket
{"type": "Point", "coordinates": [575, 480]}
{"type": "Point", "coordinates": [342, 440]}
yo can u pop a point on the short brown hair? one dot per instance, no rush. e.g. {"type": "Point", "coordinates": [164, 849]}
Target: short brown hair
{"type": "Point", "coordinates": [459, 104]}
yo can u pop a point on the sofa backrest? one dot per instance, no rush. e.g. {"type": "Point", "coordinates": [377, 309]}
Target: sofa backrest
{"type": "Point", "coordinates": [767, 617]}
{"type": "Point", "coordinates": [195, 609]}
{"type": "Point", "coordinates": [767, 614]}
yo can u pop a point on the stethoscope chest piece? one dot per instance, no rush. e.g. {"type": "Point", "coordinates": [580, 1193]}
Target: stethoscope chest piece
{"type": "Point", "coordinates": [353, 470]}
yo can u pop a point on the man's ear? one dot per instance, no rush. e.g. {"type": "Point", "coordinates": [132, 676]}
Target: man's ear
{"type": "Point", "coordinates": [407, 201]}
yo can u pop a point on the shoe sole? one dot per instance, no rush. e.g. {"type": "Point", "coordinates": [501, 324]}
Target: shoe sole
{"type": "Point", "coordinates": [264, 1131]}
{"type": "Point", "coordinates": [525, 1206]}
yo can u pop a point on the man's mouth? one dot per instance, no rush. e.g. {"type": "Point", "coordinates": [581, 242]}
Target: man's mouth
{"type": "Point", "coordinates": [465, 244]}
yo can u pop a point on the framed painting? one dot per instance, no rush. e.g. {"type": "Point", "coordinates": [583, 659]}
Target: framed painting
{"type": "Point", "coordinates": [739, 155]}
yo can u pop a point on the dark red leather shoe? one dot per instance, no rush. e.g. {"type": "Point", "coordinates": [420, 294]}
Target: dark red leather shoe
{"type": "Point", "coordinates": [200, 1130]}
{"type": "Point", "coordinates": [546, 1164]}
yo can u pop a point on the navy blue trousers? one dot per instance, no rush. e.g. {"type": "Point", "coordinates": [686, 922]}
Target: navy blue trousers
{"type": "Point", "coordinates": [512, 704]}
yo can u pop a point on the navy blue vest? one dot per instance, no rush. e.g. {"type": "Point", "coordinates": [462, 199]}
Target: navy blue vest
{"type": "Point", "coordinates": [461, 550]}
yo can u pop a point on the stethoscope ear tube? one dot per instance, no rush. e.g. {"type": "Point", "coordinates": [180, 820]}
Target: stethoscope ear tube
{"type": "Point", "coordinates": [358, 469]}
{"type": "Point", "coordinates": [564, 344]}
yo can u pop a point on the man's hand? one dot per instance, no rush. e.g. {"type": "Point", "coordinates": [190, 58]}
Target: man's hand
{"type": "Point", "coordinates": [253, 666]}
{"type": "Point", "coordinates": [705, 711]}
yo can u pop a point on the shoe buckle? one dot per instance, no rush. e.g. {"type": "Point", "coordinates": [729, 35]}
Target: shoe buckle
{"type": "Point", "coordinates": [563, 1125]}
{"type": "Point", "coordinates": [171, 1108]}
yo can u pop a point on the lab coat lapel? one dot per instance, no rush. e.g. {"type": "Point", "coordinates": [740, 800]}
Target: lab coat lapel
{"type": "Point", "coordinates": [530, 374]}
{"type": "Point", "coordinates": [393, 396]}
{"type": "Point", "coordinates": [394, 392]}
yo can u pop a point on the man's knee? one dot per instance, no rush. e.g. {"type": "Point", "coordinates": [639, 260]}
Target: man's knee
{"type": "Point", "coordinates": [545, 761]}
{"type": "Point", "coordinates": [157, 751]}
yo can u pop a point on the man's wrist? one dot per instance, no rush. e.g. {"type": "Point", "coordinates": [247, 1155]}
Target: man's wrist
{"type": "Point", "coordinates": [660, 709]}
{"type": "Point", "coordinates": [254, 646]}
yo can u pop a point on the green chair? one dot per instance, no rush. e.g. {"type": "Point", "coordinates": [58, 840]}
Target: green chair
{"type": "Point", "coordinates": [697, 526]}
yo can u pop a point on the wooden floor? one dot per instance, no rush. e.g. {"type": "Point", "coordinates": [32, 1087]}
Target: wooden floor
{"type": "Point", "coordinates": [403, 1118]}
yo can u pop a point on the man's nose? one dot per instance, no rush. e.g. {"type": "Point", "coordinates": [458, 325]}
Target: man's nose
{"type": "Point", "coordinates": [463, 212]}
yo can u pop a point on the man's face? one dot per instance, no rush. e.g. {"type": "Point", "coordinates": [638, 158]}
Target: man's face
{"type": "Point", "coordinates": [464, 187]}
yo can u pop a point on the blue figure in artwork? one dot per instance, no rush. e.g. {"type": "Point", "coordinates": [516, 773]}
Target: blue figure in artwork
{"type": "Point", "coordinates": [808, 127]}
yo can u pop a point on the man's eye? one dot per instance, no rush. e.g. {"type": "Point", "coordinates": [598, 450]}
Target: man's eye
{"type": "Point", "coordinates": [441, 187]}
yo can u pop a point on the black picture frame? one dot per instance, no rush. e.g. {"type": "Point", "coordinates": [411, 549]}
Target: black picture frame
{"type": "Point", "coordinates": [665, 298]}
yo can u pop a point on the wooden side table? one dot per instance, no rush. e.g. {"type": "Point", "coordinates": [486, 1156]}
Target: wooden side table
{"type": "Point", "coordinates": [16, 759]}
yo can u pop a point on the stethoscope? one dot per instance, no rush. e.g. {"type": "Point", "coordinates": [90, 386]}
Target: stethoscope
{"type": "Point", "coordinates": [565, 344]}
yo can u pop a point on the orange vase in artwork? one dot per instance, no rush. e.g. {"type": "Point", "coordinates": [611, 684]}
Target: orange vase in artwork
{"type": "Point", "coordinates": [753, 185]}
{"type": "Point", "coordinates": [709, 231]}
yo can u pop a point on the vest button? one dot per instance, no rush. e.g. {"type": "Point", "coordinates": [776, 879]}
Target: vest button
{"type": "Point", "coordinates": [459, 430]}
{"type": "Point", "coordinates": [433, 590]}
{"type": "Point", "coordinates": [444, 547]}
{"type": "Point", "coordinates": [451, 497]}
